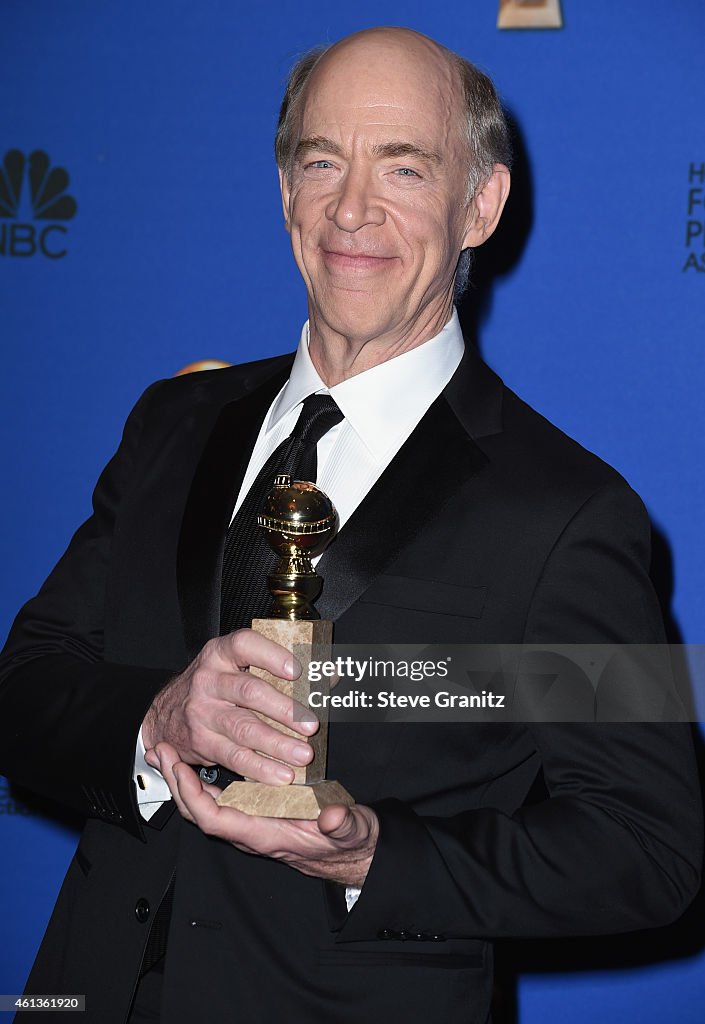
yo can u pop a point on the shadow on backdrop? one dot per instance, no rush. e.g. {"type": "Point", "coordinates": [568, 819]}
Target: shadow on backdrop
{"type": "Point", "coordinates": [503, 251]}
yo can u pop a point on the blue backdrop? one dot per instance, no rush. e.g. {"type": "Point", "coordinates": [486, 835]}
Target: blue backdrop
{"type": "Point", "coordinates": [173, 250]}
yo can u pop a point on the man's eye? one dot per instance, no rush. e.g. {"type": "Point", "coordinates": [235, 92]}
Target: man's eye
{"type": "Point", "coordinates": [320, 163]}
{"type": "Point", "coordinates": [407, 172]}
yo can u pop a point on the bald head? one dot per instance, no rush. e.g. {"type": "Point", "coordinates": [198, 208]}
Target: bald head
{"type": "Point", "coordinates": [384, 45]}
{"type": "Point", "coordinates": [465, 95]}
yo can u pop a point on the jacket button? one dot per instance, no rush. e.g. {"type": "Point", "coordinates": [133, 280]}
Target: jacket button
{"type": "Point", "coordinates": [142, 910]}
{"type": "Point", "coordinates": [386, 933]}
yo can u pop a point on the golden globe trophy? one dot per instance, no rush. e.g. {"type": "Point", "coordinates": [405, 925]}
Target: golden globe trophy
{"type": "Point", "coordinates": [299, 521]}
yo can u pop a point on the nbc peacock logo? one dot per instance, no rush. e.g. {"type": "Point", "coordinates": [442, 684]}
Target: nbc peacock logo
{"type": "Point", "coordinates": [31, 190]}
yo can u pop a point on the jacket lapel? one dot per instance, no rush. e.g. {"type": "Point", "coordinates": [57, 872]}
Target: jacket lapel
{"type": "Point", "coordinates": [215, 486]}
{"type": "Point", "coordinates": [438, 457]}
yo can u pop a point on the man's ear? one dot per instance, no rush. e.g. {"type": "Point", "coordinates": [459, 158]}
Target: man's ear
{"type": "Point", "coordinates": [486, 207]}
{"type": "Point", "coordinates": [286, 192]}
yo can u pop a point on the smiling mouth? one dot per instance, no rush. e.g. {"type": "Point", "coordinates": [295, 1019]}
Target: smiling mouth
{"type": "Point", "coordinates": [355, 261]}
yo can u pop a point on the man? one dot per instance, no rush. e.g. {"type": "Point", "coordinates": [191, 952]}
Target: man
{"type": "Point", "coordinates": [465, 518]}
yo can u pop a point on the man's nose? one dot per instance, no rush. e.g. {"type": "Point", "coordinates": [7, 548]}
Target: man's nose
{"type": "Point", "coordinates": [355, 203]}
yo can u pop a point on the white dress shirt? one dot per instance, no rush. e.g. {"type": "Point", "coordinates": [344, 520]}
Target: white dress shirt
{"type": "Point", "coordinates": [381, 406]}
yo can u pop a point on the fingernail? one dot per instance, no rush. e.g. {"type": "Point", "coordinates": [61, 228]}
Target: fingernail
{"type": "Point", "coordinates": [283, 773]}
{"type": "Point", "coordinates": [290, 667]}
{"type": "Point", "coordinates": [302, 753]}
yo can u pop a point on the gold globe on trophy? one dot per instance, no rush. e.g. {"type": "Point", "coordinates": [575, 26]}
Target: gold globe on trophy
{"type": "Point", "coordinates": [299, 521]}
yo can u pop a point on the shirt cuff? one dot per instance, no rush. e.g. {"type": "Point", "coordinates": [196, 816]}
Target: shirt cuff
{"type": "Point", "coordinates": [152, 790]}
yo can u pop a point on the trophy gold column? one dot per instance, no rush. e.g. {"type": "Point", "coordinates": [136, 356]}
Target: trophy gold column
{"type": "Point", "coordinates": [299, 521]}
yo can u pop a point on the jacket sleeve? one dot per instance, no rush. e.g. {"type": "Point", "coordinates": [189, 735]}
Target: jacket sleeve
{"type": "Point", "coordinates": [617, 843]}
{"type": "Point", "coordinates": [68, 719]}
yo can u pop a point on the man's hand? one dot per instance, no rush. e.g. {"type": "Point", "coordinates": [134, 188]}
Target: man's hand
{"type": "Point", "coordinates": [338, 847]}
{"type": "Point", "coordinates": [207, 714]}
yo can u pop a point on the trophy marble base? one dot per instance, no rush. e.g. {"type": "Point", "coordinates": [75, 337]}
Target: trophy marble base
{"type": "Point", "coordinates": [303, 802]}
{"type": "Point", "coordinates": [310, 791]}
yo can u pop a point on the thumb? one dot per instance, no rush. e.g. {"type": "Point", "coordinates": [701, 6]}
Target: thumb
{"type": "Point", "coordinates": [152, 758]}
{"type": "Point", "coordinates": [339, 822]}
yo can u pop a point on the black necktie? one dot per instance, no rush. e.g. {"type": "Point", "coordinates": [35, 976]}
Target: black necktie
{"type": "Point", "coordinates": [248, 558]}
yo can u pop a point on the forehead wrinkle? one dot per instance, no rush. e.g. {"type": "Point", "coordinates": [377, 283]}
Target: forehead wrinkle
{"type": "Point", "coordinates": [323, 105]}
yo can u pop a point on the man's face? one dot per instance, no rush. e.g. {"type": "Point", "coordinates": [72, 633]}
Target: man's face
{"type": "Point", "coordinates": [376, 204]}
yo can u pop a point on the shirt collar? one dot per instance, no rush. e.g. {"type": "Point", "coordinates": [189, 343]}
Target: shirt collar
{"type": "Point", "coordinates": [382, 404]}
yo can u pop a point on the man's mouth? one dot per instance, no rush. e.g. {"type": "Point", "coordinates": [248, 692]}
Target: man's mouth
{"type": "Point", "coordinates": [360, 261]}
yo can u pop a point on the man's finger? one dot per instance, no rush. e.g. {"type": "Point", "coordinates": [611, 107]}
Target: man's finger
{"type": "Point", "coordinates": [168, 757]}
{"type": "Point", "coordinates": [245, 647]}
{"type": "Point", "coordinates": [256, 694]}
{"type": "Point", "coordinates": [201, 808]}
{"type": "Point", "coordinates": [151, 758]}
{"type": "Point", "coordinates": [196, 802]}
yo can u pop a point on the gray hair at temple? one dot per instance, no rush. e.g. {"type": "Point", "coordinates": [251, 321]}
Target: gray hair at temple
{"type": "Point", "coordinates": [486, 129]}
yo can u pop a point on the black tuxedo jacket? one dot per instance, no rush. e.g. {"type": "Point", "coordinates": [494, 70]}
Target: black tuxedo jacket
{"type": "Point", "coordinates": [489, 526]}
